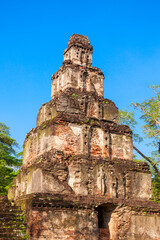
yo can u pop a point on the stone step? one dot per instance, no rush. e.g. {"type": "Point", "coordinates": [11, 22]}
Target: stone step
{"type": "Point", "coordinates": [12, 221]}
{"type": "Point", "coordinates": [12, 226]}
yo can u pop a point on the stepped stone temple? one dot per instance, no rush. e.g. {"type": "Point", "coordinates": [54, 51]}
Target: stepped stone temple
{"type": "Point", "coordinates": [78, 179]}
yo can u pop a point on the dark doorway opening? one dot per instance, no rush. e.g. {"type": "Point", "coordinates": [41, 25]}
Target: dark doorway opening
{"type": "Point", "coordinates": [104, 216]}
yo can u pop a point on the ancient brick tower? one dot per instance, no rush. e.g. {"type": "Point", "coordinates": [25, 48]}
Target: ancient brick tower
{"type": "Point", "coordinates": [78, 179]}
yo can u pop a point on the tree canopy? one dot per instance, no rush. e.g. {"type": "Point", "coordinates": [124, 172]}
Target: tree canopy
{"type": "Point", "coordinates": [150, 114]}
{"type": "Point", "coordinates": [10, 161]}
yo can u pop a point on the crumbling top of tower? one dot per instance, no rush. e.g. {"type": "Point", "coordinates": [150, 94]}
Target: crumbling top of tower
{"type": "Point", "coordinates": [79, 40]}
{"type": "Point", "coordinates": [77, 71]}
{"type": "Point", "coordinates": [79, 50]}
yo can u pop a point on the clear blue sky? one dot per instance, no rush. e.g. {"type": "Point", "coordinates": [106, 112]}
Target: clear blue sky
{"type": "Point", "coordinates": [125, 35]}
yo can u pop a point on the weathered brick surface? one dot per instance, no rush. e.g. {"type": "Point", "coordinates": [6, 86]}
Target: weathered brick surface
{"type": "Point", "coordinates": [76, 139]}
{"type": "Point", "coordinates": [104, 234]}
{"type": "Point", "coordinates": [78, 179]}
{"type": "Point", "coordinates": [83, 175]}
{"type": "Point", "coordinates": [63, 224]}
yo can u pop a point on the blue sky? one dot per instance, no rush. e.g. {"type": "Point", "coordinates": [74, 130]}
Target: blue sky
{"type": "Point", "coordinates": [33, 35]}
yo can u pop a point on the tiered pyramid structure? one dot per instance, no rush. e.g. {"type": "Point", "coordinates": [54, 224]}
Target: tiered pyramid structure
{"type": "Point", "coordinates": [78, 179]}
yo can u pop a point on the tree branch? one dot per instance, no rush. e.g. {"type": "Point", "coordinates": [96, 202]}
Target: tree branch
{"type": "Point", "coordinates": [148, 160]}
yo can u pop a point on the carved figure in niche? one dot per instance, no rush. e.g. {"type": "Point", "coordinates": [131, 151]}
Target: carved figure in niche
{"type": "Point", "coordinates": [101, 181]}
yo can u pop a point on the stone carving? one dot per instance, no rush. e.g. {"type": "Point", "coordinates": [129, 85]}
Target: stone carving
{"type": "Point", "coordinates": [101, 181]}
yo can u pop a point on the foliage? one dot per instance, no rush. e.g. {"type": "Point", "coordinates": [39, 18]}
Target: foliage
{"type": "Point", "coordinates": [150, 114]}
{"type": "Point", "coordinates": [150, 110]}
{"type": "Point", "coordinates": [128, 118]}
{"type": "Point", "coordinates": [10, 161]}
{"type": "Point", "coordinates": [156, 188]}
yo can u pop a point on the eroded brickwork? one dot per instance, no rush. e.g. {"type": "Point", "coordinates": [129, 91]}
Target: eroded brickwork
{"type": "Point", "coordinates": [63, 224]}
{"type": "Point", "coordinates": [78, 179]}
